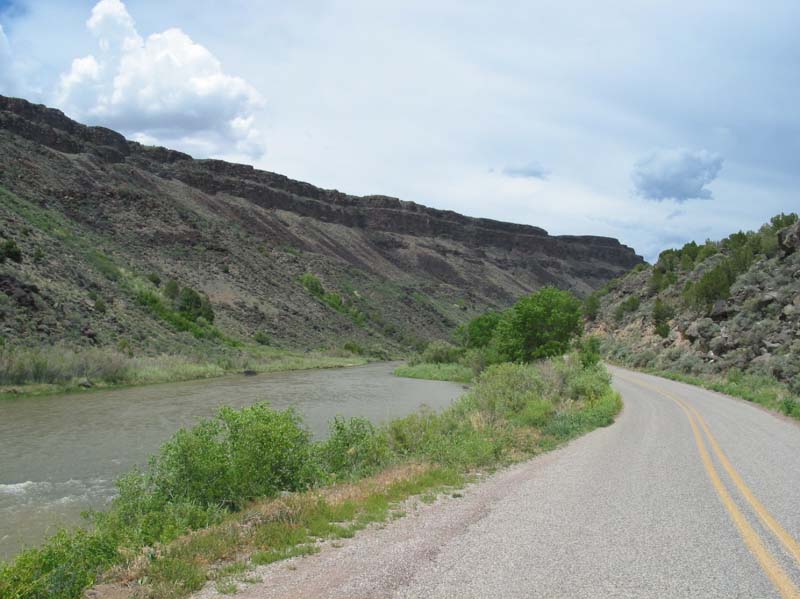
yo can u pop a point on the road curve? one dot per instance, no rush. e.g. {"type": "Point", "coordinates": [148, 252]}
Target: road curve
{"type": "Point", "coordinates": [689, 494]}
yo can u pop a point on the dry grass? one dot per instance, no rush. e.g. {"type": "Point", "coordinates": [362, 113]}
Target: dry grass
{"type": "Point", "coordinates": [293, 524]}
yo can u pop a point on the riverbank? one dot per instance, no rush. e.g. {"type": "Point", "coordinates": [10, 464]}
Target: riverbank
{"type": "Point", "coordinates": [511, 413]}
{"type": "Point", "coordinates": [60, 371]}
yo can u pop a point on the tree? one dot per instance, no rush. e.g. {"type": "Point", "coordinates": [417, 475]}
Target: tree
{"type": "Point", "coordinates": [539, 326]}
{"type": "Point", "coordinates": [478, 331]}
{"type": "Point", "coordinates": [591, 307]}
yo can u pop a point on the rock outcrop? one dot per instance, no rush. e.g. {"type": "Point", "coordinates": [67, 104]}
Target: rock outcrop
{"type": "Point", "coordinates": [244, 236]}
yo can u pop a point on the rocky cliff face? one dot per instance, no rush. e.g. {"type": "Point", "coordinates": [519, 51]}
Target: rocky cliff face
{"type": "Point", "coordinates": [93, 214]}
{"type": "Point", "coordinates": [726, 305]}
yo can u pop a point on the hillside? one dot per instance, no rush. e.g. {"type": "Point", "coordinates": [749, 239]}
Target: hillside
{"type": "Point", "coordinates": [731, 306]}
{"type": "Point", "coordinates": [95, 227]}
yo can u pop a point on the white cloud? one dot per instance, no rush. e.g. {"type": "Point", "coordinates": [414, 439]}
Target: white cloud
{"type": "Point", "coordinates": [676, 174]}
{"type": "Point", "coordinates": [165, 88]}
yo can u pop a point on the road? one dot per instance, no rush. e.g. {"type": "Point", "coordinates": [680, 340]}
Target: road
{"type": "Point", "coordinates": [689, 494]}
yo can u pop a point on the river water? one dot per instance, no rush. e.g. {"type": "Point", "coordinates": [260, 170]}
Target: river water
{"type": "Point", "coordinates": [60, 455]}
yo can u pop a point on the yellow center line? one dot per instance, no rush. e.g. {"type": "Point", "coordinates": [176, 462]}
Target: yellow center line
{"type": "Point", "coordinates": [791, 545]}
{"type": "Point", "coordinates": [768, 563]}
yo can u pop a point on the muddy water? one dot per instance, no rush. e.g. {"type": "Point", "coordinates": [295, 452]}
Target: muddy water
{"type": "Point", "coordinates": [60, 455]}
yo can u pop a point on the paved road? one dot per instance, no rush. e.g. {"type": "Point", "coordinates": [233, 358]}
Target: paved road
{"type": "Point", "coordinates": [689, 494]}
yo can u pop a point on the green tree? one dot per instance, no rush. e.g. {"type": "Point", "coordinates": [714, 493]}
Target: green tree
{"type": "Point", "coordinates": [478, 331]}
{"type": "Point", "coordinates": [539, 325]}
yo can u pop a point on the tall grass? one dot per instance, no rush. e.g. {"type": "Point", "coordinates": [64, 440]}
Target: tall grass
{"type": "Point", "coordinates": [436, 372]}
{"type": "Point", "coordinates": [60, 365]}
{"type": "Point", "coordinates": [206, 475]}
{"type": "Point", "coordinates": [57, 369]}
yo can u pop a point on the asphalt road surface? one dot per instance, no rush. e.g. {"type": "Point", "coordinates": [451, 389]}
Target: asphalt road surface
{"type": "Point", "coordinates": [689, 494]}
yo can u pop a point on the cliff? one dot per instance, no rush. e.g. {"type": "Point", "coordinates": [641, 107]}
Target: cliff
{"type": "Point", "coordinates": [94, 215]}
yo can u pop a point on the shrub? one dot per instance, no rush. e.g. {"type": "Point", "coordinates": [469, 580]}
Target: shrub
{"type": "Point", "coordinates": [100, 305]}
{"type": "Point", "coordinates": [663, 330]}
{"type": "Point", "coordinates": [154, 278]}
{"type": "Point", "coordinates": [10, 251]}
{"type": "Point", "coordinates": [587, 383]}
{"type": "Point", "coordinates": [504, 389]}
{"type": "Point", "coordinates": [589, 351]}
{"type": "Point", "coordinates": [171, 289]}
{"type": "Point", "coordinates": [662, 311]}
{"type": "Point", "coordinates": [539, 325]}
{"type": "Point", "coordinates": [353, 348]}
{"type": "Point", "coordinates": [355, 448]}
{"type": "Point", "coordinates": [66, 564]}
{"type": "Point", "coordinates": [591, 307]}
{"type": "Point", "coordinates": [262, 338]}
{"type": "Point", "coordinates": [239, 455]}
{"type": "Point", "coordinates": [441, 352]}
{"type": "Point", "coordinates": [312, 285]}
{"type": "Point", "coordinates": [194, 306]}
{"type": "Point", "coordinates": [537, 412]}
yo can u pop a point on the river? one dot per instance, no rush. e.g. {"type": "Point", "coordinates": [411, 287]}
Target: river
{"type": "Point", "coordinates": [60, 455]}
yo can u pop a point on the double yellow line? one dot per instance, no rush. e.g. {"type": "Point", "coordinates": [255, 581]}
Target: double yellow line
{"type": "Point", "coordinates": [768, 563]}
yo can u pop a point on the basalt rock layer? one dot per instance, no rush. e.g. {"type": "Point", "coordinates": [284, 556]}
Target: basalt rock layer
{"type": "Point", "coordinates": [94, 215]}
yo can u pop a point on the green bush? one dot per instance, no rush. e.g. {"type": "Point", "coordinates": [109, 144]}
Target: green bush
{"type": "Point", "coordinates": [172, 289]}
{"type": "Point", "coordinates": [63, 567]}
{"type": "Point", "coordinates": [235, 457]}
{"type": "Point", "coordinates": [262, 338]}
{"type": "Point", "coordinates": [353, 348]}
{"type": "Point", "coordinates": [354, 448]}
{"type": "Point", "coordinates": [505, 389]}
{"type": "Point", "coordinates": [662, 311]}
{"type": "Point", "coordinates": [591, 307]}
{"type": "Point", "coordinates": [154, 278]}
{"type": "Point", "coordinates": [537, 413]}
{"type": "Point", "coordinates": [10, 251]}
{"type": "Point", "coordinates": [194, 306]}
{"type": "Point", "coordinates": [587, 383]}
{"type": "Point", "coordinates": [312, 285]}
{"type": "Point", "coordinates": [539, 326]}
{"type": "Point", "coordinates": [441, 352]}
{"type": "Point", "coordinates": [589, 351]}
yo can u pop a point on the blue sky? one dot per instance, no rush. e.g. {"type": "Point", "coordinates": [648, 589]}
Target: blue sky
{"type": "Point", "coordinates": [652, 122]}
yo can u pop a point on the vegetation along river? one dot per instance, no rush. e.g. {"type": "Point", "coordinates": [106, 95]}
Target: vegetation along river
{"type": "Point", "coordinates": [60, 455]}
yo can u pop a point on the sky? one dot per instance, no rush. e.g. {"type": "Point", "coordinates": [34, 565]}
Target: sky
{"type": "Point", "coordinates": [653, 122]}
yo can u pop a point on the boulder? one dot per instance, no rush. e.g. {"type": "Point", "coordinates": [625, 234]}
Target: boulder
{"type": "Point", "coordinates": [789, 238]}
{"type": "Point", "coordinates": [720, 310]}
